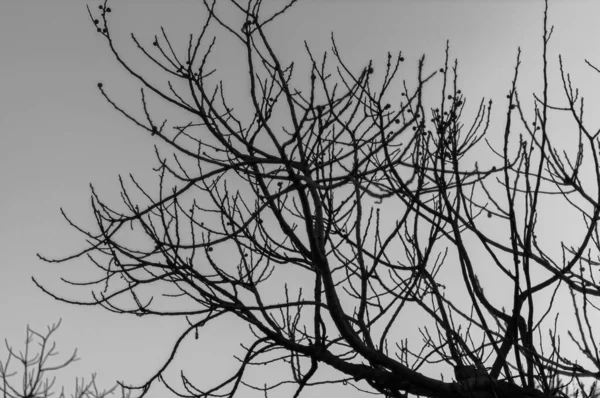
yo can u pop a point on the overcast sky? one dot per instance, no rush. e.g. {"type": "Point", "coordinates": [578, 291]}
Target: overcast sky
{"type": "Point", "coordinates": [58, 135]}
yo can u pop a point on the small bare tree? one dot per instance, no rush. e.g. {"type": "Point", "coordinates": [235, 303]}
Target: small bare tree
{"type": "Point", "coordinates": [35, 363]}
{"type": "Point", "coordinates": [338, 216]}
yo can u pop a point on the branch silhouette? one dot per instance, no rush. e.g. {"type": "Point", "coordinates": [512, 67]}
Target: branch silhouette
{"type": "Point", "coordinates": [338, 215]}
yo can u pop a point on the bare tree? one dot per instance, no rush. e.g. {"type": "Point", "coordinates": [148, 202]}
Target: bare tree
{"type": "Point", "coordinates": [35, 363]}
{"type": "Point", "coordinates": [334, 219]}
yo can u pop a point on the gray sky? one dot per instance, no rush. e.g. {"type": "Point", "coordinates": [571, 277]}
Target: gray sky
{"type": "Point", "coordinates": [58, 134]}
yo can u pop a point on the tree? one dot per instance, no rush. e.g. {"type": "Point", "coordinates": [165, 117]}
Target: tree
{"type": "Point", "coordinates": [334, 212]}
{"type": "Point", "coordinates": [35, 367]}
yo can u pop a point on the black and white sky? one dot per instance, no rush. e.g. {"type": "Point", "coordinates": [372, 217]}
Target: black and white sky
{"type": "Point", "coordinates": [58, 135]}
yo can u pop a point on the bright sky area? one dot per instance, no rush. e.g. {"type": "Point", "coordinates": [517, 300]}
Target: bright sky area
{"type": "Point", "coordinates": [58, 134]}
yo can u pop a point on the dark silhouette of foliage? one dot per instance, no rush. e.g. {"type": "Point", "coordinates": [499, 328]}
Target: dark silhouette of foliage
{"type": "Point", "coordinates": [337, 217]}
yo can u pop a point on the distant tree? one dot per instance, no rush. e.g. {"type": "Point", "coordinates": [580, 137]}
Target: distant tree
{"type": "Point", "coordinates": [35, 363]}
{"type": "Point", "coordinates": [337, 217]}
